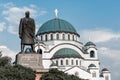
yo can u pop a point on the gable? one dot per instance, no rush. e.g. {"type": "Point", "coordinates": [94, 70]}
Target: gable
{"type": "Point", "coordinates": [78, 71]}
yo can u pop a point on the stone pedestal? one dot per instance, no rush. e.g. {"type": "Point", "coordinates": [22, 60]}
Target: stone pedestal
{"type": "Point", "coordinates": [32, 60]}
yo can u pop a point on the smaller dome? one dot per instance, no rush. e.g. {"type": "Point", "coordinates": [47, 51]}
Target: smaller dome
{"type": "Point", "coordinates": [90, 43]}
{"type": "Point", "coordinates": [91, 65]}
{"type": "Point", "coordinates": [105, 69]}
{"type": "Point", "coordinates": [66, 53]}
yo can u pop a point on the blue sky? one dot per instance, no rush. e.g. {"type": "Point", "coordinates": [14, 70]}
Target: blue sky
{"type": "Point", "coordinates": [95, 20]}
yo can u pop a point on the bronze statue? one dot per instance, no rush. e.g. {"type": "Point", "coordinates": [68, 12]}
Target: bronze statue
{"type": "Point", "coordinates": [27, 31]}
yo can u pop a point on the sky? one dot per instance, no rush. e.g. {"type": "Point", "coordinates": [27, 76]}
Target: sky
{"type": "Point", "coordinates": [95, 20]}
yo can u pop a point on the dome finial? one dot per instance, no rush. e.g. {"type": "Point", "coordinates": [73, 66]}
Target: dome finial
{"type": "Point", "coordinates": [56, 13]}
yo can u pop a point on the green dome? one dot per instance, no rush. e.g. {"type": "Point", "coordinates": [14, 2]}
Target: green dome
{"type": "Point", "coordinates": [91, 65]}
{"type": "Point", "coordinates": [105, 69]}
{"type": "Point", "coordinates": [66, 53]}
{"type": "Point", "coordinates": [56, 25]}
{"type": "Point", "coordinates": [90, 43]}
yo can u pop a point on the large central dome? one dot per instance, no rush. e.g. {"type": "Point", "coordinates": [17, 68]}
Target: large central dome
{"type": "Point", "coordinates": [56, 25]}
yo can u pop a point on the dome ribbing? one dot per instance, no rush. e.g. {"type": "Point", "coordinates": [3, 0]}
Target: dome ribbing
{"type": "Point", "coordinates": [56, 25]}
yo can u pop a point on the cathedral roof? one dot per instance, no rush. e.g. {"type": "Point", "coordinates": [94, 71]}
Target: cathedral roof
{"type": "Point", "coordinates": [66, 53]}
{"type": "Point", "coordinates": [91, 65]}
{"type": "Point", "coordinates": [105, 69]}
{"type": "Point", "coordinates": [89, 43]}
{"type": "Point", "coordinates": [56, 25]}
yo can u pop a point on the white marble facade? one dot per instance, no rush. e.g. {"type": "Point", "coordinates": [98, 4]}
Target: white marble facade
{"type": "Point", "coordinates": [87, 66]}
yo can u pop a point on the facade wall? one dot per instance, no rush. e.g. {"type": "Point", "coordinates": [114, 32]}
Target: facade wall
{"type": "Point", "coordinates": [106, 75]}
{"type": "Point", "coordinates": [88, 62]}
{"type": "Point", "coordinates": [94, 73]}
{"type": "Point", "coordinates": [52, 45]}
{"type": "Point", "coordinates": [79, 72]}
{"type": "Point", "coordinates": [95, 52]}
{"type": "Point", "coordinates": [62, 36]}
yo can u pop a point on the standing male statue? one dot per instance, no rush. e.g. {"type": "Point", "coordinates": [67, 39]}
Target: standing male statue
{"type": "Point", "coordinates": [27, 31]}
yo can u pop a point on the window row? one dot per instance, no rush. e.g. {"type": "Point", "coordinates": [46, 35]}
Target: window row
{"type": "Point", "coordinates": [47, 37]}
{"type": "Point", "coordinates": [68, 62]}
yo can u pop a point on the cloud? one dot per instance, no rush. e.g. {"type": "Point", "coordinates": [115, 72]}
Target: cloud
{"type": "Point", "coordinates": [7, 52]}
{"type": "Point", "coordinates": [108, 45]}
{"type": "Point", "coordinates": [110, 53]}
{"type": "Point", "coordinates": [7, 5]}
{"type": "Point", "coordinates": [109, 58]}
{"type": "Point", "coordinates": [99, 35]}
{"type": "Point", "coordinates": [43, 12]}
{"type": "Point", "coordinates": [12, 15]}
{"type": "Point", "coordinates": [2, 26]}
{"type": "Point", "coordinates": [107, 41]}
{"type": "Point", "coordinates": [3, 47]}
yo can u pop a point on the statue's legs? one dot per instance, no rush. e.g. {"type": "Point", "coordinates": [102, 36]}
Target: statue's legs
{"type": "Point", "coordinates": [33, 47]}
{"type": "Point", "coordinates": [22, 47]}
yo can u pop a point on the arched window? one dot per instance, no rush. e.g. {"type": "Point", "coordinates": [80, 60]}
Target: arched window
{"type": "Point", "coordinates": [39, 51]}
{"type": "Point", "coordinates": [80, 62]}
{"type": "Point", "coordinates": [72, 62]}
{"type": "Point", "coordinates": [94, 74]}
{"type": "Point", "coordinates": [92, 54]}
{"type": "Point", "coordinates": [73, 37]}
{"type": "Point", "coordinates": [41, 38]}
{"type": "Point", "coordinates": [76, 62]}
{"type": "Point", "coordinates": [51, 36]}
{"type": "Point", "coordinates": [63, 36]}
{"type": "Point", "coordinates": [68, 37]}
{"type": "Point", "coordinates": [76, 38]}
{"type": "Point", "coordinates": [46, 38]}
{"type": "Point", "coordinates": [57, 36]}
{"type": "Point", "coordinates": [61, 62]}
{"type": "Point", "coordinates": [67, 62]}
{"type": "Point", "coordinates": [56, 62]}
{"type": "Point", "coordinates": [76, 74]}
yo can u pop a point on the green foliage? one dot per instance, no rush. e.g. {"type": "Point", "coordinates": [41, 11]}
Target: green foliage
{"type": "Point", "coordinates": [55, 74]}
{"type": "Point", "coordinates": [0, 53]}
{"type": "Point", "coordinates": [5, 61]}
{"type": "Point", "coordinates": [14, 72]}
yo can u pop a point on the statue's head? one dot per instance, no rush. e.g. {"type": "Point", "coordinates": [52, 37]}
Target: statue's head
{"type": "Point", "coordinates": [27, 13]}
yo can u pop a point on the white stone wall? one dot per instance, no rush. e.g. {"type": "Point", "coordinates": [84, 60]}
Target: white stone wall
{"type": "Point", "coordinates": [69, 62]}
{"type": "Point", "coordinates": [92, 49]}
{"type": "Point", "coordinates": [106, 74]}
{"type": "Point", "coordinates": [94, 73]}
{"type": "Point", "coordinates": [76, 37]}
{"type": "Point", "coordinates": [80, 73]}
{"type": "Point", "coordinates": [88, 62]}
{"type": "Point", "coordinates": [50, 47]}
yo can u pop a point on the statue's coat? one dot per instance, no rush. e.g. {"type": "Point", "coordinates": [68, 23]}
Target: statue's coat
{"type": "Point", "coordinates": [27, 31]}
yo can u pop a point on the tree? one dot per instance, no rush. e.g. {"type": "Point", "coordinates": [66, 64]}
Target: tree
{"type": "Point", "coordinates": [5, 61]}
{"type": "Point", "coordinates": [14, 72]}
{"type": "Point", "coordinates": [55, 74]}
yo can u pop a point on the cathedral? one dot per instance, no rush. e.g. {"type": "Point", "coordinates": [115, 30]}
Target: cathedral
{"type": "Point", "coordinates": [59, 45]}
